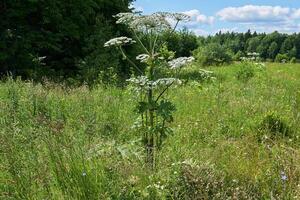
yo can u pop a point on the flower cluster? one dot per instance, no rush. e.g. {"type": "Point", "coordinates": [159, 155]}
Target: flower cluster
{"type": "Point", "coordinates": [254, 54]}
{"type": "Point", "coordinates": [158, 21]}
{"type": "Point", "coordinates": [207, 75]}
{"type": "Point", "coordinates": [251, 57]}
{"type": "Point", "coordinates": [166, 82]}
{"type": "Point", "coordinates": [143, 58]}
{"type": "Point", "coordinates": [144, 83]}
{"type": "Point", "coordinates": [260, 65]}
{"type": "Point", "coordinates": [125, 18]}
{"type": "Point", "coordinates": [174, 16]}
{"type": "Point", "coordinates": [119, 41]}
{"type": "Point", "coordinates": [180, 62]}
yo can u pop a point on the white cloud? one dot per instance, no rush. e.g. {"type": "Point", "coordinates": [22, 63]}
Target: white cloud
{"type": "Point", "coordinates": [263, 18]}
{"type": "Point", "coordinates": [192, 13]}
{"type": "Point", "coordinates": [283, 28]}
{"type": "Point", "coordinates": [196, 16]}
{"type": "Point", "coordinates": [254, 14]}
{"type": "Point", "coordinates": [296, 14]}
{"type": "Point", "coordinates": [205, 20]}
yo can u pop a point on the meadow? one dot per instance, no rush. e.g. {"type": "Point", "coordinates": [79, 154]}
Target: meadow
{"type": "Point", "coordinates": [231, 139]}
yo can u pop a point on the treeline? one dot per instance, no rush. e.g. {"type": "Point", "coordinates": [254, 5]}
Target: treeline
{"type": "Point", "coordinates": [271, 47]}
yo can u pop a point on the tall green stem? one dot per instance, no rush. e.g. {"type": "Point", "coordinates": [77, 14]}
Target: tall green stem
{"type": "Point", "coordinates": [150, 146]}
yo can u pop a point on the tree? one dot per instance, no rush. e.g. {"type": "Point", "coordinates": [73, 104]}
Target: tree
{"type": "Point", "coordinates": [273, 50]}
{"type": "Point", "coordinates": [252, 44]}
{"type": "Point", "coordinates": [292, 53]}
{"type": "Point", "coordinates": [282, 58]}
{"type": "Point", "coordinates": [212, 54]}
{"type": "Point", "coordinates": [182, 42]}
{"type": "Point", "coordinates": [63, 32]}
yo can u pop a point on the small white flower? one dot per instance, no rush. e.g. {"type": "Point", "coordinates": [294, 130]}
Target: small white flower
{"type": "Point", "coordinates": [166, 82]}
{"type": "Point", "coordinates": [119, 41]}
{"type": "Point", "coordinates": [283, 176]}
{"type": "Point", "coordinates": [143, 58]}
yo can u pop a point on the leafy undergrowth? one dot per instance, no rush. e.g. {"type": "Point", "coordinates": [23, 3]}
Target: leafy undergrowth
{"type": "Point", "coordinates": [232, 140]}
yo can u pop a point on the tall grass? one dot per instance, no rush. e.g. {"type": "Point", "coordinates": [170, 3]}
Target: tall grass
{"type": "Point", "coordinates": [62, 143]}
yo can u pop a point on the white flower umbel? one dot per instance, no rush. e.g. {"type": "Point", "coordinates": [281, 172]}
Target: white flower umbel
{"type": "Point", "coordinates": [119, 41]}
{"type": "Point", "coordinates": [141, 83]}
{"type": "Point", "coordinates": [143, 58]}
{"type": "Point", "coordinates": [166, 82]}
{"type": "Point", "coordinates": [125, 18]}
{"type": "Point", "coordinates": [157, 21]}
{"type": "Point", "coordinates": [180, 17]}
{"type": "Point", "coordinates": [180, 62]}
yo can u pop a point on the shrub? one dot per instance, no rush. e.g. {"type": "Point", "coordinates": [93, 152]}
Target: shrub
{"type": "Point", "coordinates": [212, 54]}
{"type": "Point", "coordinates": [281, 58]}
{"type": "Point", "coordinates": [238, 56]}
{"type": "Point", "coordinates": [245, 72]}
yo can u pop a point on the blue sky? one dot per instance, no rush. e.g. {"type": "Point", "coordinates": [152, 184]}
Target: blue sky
{"type": "Point", "coordinates": [211, 16]}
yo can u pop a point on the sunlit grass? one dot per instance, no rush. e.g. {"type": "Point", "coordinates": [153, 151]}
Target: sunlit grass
{"type": "Point", "coordinates": [60, 143]}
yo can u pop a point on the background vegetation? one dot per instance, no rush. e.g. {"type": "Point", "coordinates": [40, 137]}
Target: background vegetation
{"type": "Point", "coordinates": [64, 41]}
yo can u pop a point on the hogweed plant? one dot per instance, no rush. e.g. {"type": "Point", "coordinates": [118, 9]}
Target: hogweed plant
{"type": "Point", "coordinates": [154, 109]}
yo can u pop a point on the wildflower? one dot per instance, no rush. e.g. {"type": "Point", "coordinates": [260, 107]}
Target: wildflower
{"type": "Point", "coordinates": [180, 62]}
{"type": "Point", "coordinates": [283, 176]}
{"type": "Point", "coordinates": [119, 41]}
{"type": "Point", "coordinates": [143, 58]}
{"type": "Point", "coordinates": [180, 17]}
{"type": "Point", "coordinates": [166, 82]}
{"type": "Point", "coordinates": [125, 18]}
{"type": "Point", "coordinates": [155, 21]}
{"type": "Point", "coordinates": [83, 173]}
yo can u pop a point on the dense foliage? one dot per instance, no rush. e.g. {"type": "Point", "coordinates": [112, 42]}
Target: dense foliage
{"type": "Point", "coordinates": [59, 38]}
{"type": "Point", "coordinates": [212, 54]}
{"type": "Point", "coordinates": [267, 45]}
{"type": "Point", "coordinates": [182, 42]}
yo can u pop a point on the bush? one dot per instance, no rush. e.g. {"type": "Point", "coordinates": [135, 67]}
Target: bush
{"type": "Point", "coordinates": [238, 56]}
{"type": "Point", "coordinates": [281, 58]}
{"type": "Point", "coordinates": [246, 72]}
{"type": "Point", "coordinates": [212, 54]}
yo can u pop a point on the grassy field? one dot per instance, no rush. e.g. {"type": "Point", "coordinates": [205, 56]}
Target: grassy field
{"type": "Point", "coordinates": [232, 140]}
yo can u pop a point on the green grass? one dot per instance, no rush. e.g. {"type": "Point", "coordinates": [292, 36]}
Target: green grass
{"type": "Point", "coordinates": [60, 143]}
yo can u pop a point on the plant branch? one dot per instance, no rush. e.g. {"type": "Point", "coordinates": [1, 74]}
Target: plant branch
{"type": "Point", "coordinates": [130, 61]}
{"type": "Point", "coordinates": [175, 27]}
{"type": "Point", "coordinates": [141, 43]}
{"type": "Point", "coordinates": [162, 93]}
